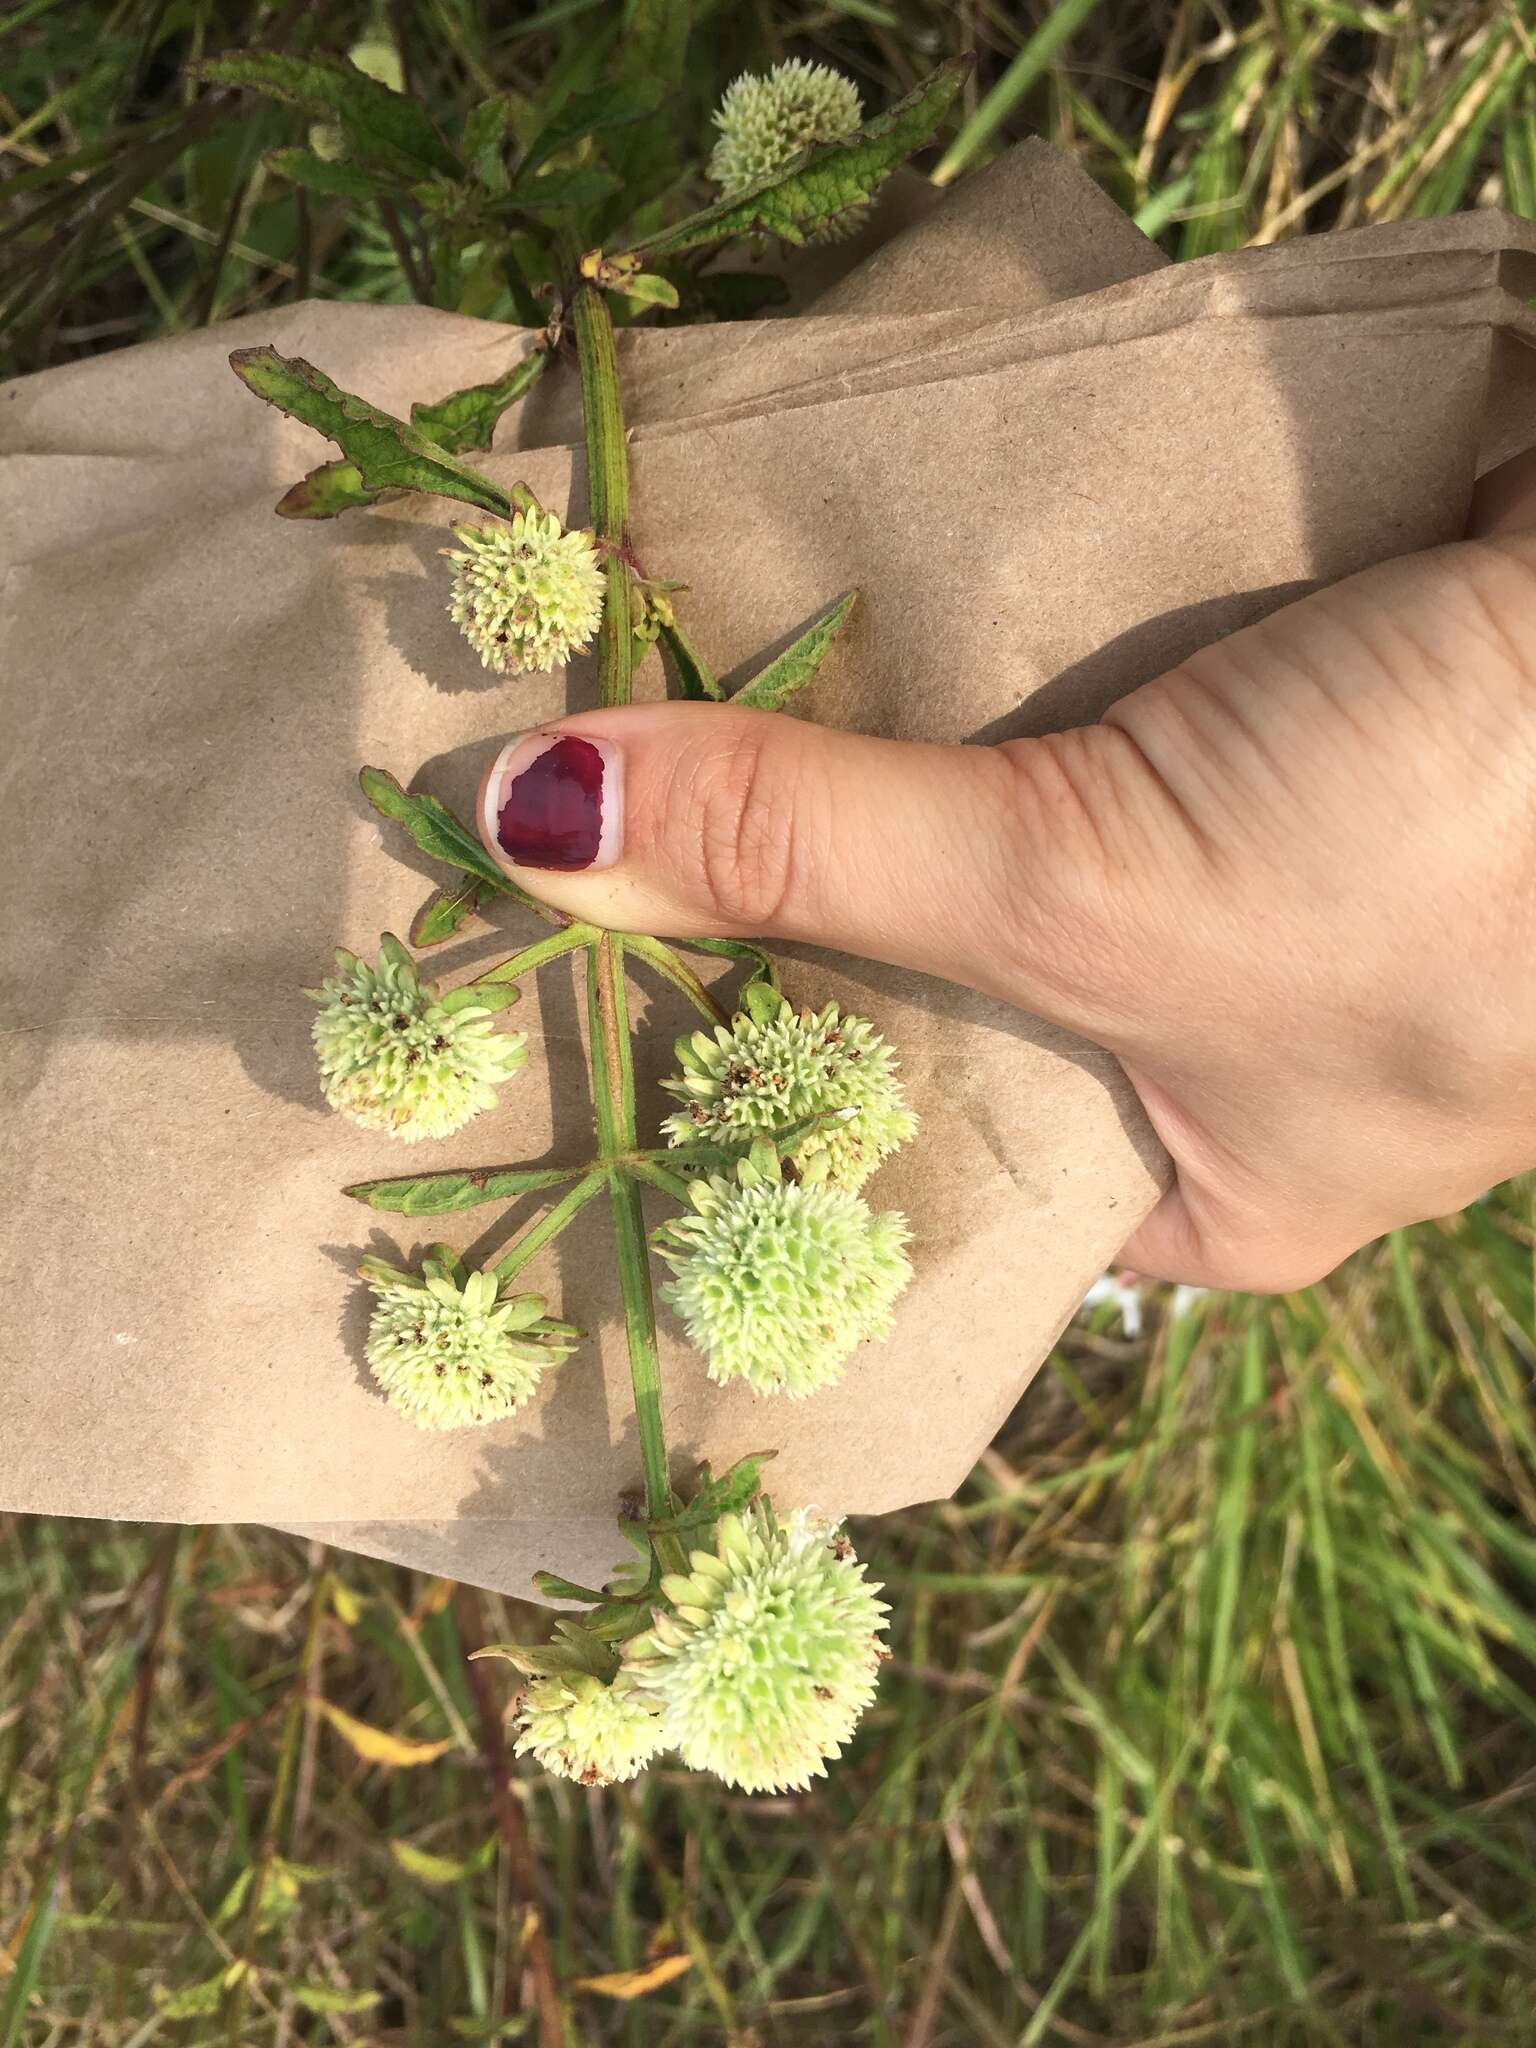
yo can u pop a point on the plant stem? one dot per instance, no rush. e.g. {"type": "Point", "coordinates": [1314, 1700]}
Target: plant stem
{"type": "Point", "coordinates": [679, 973]}
{"type": "Point", "coordinates": [607, 484]}
{"type": "Point", "coordinates": [539, 954]}
{"type": "Point", "coordinates": [613, 1089]}
{"type": "Point", "coordinates": [613, 1081]}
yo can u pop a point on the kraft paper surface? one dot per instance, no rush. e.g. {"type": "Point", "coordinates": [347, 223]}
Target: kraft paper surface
{"type": "Point", "coordinates": [1053, 466]}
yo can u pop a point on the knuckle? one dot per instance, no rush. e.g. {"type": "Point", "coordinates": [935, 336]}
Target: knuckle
{"type": "Point", "coordinates": [744, 837]}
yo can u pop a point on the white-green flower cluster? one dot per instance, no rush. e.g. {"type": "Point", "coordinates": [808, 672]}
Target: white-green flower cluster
{"type": "Point", "coordinates": [766, 1654]}
{"type": "Point", "coordinates": [765, 122]}
{"type": "Point", "coordinates": [526, 594]}
{"type": "Point", "coordinates": [777, 1281]}
{"type": "Point", "coordinates": [773, 1067]}
{"type": "Point", "coordinates": [448, 1352]}
{"type": "Point", "coordinates": [579, 1728]}
{"type": "Point", "coordinates": [396, 1057]}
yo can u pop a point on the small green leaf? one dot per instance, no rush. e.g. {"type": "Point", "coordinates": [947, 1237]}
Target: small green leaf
{"type": "Point", "coordinates": [430, 1869]}
{"type": "Point", "coordinates": [795, 667]}
{"type": "Point", "coordinates": [728, 1495]}
{"type": "Point", "coordinates": [551, 1660]}
{"type": "Point", "coordinates": [649, 290]}
{"type": "Point", "coordinates": [618, 1621]}
{"type": "Point", "coordinates": [194, 2001]}
{"type": "Point", "coordinates": [441, 918]}
{"type": "Point", "coordinates": [491, 995]}
{"type": "Point", "coordinates": [467, 419]}
{"type": "Point", "coordinates": [694, 674]}
{"type": "Point", "coordinates": [389, 454]}
{"type": "Point", "coordinates": [434, 828]}
{"type": "Point", "coordinates": [335, 177]}
{"type": "Point", "coordinates": [553, 1587]}
{"type": "Point", "coordinates": [386, 130]}
{"type": "Point", "coordinates": [333, 488]}
{"type": "Point", "coordinates": [829, 179]}
{"type": "Point", "coordinates": [440, 1194]}
{"type": "Point", "coordinates": [483, 140]}
{"type": "Point", "coordinates": [327, 1998]}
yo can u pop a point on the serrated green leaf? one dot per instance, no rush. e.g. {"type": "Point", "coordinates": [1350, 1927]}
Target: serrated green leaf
{"type": "Point", "coordinates": [434, 828]}
{"type": "Point", "coordinates": [383, 128]}
{"type": "Point", "coordinates": [389, 453]}
{"type": "Point", "coordinates": [442, 1194]}
{"type": "Point", "coordinates": [333, 488]}
{"type": "Point", "coordinates": [559, 192]}
{"type": "Point", "coordinates": [441, 918]}
{"type": "Point", "coordinates": [728, 1495]}
{"type": "Point", "coordinates": [461, 421]}
{"type": "Point", "coordinates": [467, 419]}
{"type": "Point", "coordinates": [483, 140]}
{"type": "Point", "coordinates": [826, 181]}
{"type": "Point", "coordinates": [794, 668]}
{"type": "Point", "coordinates": [553, 1587]}
{"type": "Point", "coordinates": [590, 113]}
{"type": "Point", "coordinates": [552, 1660]}
{"type": "Point", "coordinates": [328, 1998]}
{"type": "Point", "coordinates": [694, 674]}
{"type": "Point", "coordinates": [619, 1621]}
{"type": "Point", "coordinates": [337, 178]}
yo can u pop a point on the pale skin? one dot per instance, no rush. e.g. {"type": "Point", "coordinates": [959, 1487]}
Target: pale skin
{"type": "Point", "coordinates": [1291, 884]}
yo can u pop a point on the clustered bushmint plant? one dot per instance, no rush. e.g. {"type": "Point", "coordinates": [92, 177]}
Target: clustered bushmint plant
{"type": "Point", "coordinates": [743, 1641]}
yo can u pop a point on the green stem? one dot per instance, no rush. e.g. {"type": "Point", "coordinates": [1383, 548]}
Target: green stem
{"type": "Point", "coordinates": [679, 973]}
{"type": "Point", "coordinates": [539, 954]}
{"type": "Point", "coordinates": [613, 1081]}
{"type": "Point", "coordinates": [660, 1176]}
{"type": "Point", "coordinates": [613, 1089]}
{"type": "Point", "coordinates": [549, 1225]}
{"type": "Point", "coordinates": [607, 484]}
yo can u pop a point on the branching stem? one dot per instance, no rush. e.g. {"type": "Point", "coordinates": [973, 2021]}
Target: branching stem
{"type": "Point", "coordinates": [613, 1081]}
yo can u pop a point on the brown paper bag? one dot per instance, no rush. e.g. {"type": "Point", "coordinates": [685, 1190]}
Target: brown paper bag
{"type": "Point", "coordinates": [1041, 511]}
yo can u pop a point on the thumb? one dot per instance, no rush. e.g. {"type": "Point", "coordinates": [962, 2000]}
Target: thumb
{"type": "Point", "coordinates": [978, 864]}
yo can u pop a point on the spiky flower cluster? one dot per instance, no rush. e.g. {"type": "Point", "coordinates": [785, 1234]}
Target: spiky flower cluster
{"type": "Point", "coordinates": [765, 122]}
{"type": "Point", "coordinates": [396, 1057]}
{"type": "Point", "coordinates": [777, 1282]}
{"type": "Point", "coordinates": [579, 1728]}
{"type": "Point", "coordinates": [448, 1352]}
{"type": "Point", "coordinates": [526, 594]}
{"type": "Point", "coordinates": [766, 1654]}
{"type": "Point", "coordinates": [774, 1067]}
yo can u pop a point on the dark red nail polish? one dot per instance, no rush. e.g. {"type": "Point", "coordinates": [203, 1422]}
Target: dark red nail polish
{"type": "Point", "coordinates": [551, 815]}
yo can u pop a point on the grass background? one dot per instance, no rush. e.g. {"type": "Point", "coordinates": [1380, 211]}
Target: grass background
{"type": "Point", "coordinates": [1213, 1711]}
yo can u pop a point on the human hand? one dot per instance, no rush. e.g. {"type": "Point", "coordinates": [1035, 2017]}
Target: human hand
{"type": "Point", "coordinates": [1291, 884]}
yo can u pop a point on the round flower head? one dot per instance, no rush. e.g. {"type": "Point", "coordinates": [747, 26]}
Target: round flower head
{"type": "Point", "coordinates": [526, 594]}
{"type": "Point", "coordinates": [766, 1653]}
{"type": "Point", "coordinates": [777, 1282]}
{"type": "Point", "coordinates": [773, 1067]}
{"type": "Point", "coordinates": [577, 1727]}
{"type": "Point", "coordinates": [448, 1353]}
{"type": "Point", "coordinates": [396, 1057]}
{"type": "Point", "coordinates": [764, 123]}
